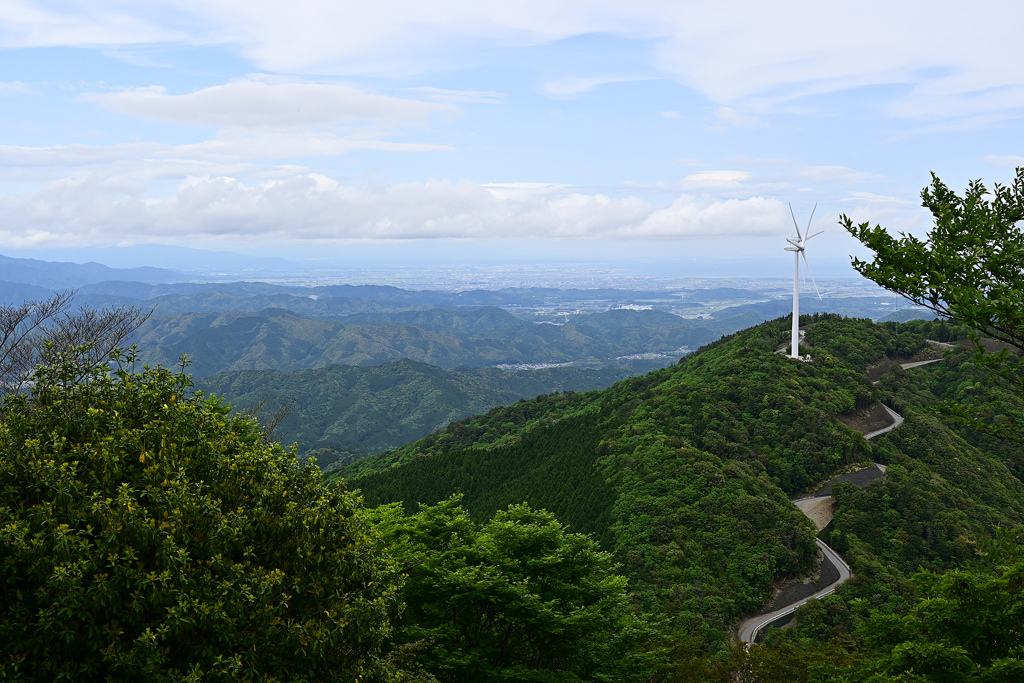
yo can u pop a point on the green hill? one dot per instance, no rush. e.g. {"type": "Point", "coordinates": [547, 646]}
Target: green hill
{"type": "Point", "coordinates": [343, 412]}
{"type": "Point", "coordinates": [686, 474]}
{"type": "Point", "coordinates": [449, 338]}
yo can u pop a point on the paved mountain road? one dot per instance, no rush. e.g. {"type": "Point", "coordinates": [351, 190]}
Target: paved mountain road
{"type": "Point", "coordinates": [897, 420]}
{"type": "Point", "coordinates": [813, 507]}
{"type": "Point", "coordinates": [748, 632]}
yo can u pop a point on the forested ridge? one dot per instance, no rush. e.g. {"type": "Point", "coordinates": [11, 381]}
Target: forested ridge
{"type": "Point", "coordinates": [275, 338]}
{"type": "Point", "coordinates": [344, 412]}
{"type": "Point", "coordinates": [685, 475]}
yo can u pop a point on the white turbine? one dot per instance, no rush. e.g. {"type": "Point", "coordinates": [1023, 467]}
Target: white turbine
{"type": "Point", "coordinates": [796, 245]}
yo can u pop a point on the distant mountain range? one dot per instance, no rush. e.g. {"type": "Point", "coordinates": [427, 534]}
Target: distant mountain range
{"type": "Point", "coordinates": [448, 338]}
{"type": "Point", "coordinates": [225, 326]}
{"type": "Point", "coordinates": [195, 262]}
{"type": "Point", "coordinates": [50, 275]}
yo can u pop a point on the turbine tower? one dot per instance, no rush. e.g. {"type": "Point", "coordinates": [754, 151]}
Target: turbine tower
{"type": "Point", "coordinates": [796, 245]}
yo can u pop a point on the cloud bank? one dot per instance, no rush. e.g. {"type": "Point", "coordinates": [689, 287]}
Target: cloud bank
{"type": "Point", "coordinates": [92, 209]}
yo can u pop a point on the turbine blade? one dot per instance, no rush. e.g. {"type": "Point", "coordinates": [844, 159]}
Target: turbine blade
{"type": "Point", "coordinates": [808, 266]}
{"type": "Point", "coordinates": [810, 219]}
{"type": "Point", "coordinates": [814, 235]}
{"type": "Point", "coordinates": [794, 220]}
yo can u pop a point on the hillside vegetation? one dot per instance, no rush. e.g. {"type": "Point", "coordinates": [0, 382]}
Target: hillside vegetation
{"type": "Point", "coordinates": [342, 412]}
{"type": "Point", "coordinates": [482, 337]}
{"type": "Point", "coordinates": [148, 535]}
{"type": "Point", "coordinates": [685, 474]}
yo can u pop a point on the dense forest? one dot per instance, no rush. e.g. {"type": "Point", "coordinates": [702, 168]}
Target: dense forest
{"type": "Point", "coordinates": [343, 412]}
{"type": "Point", "coordinates": [685, 477]}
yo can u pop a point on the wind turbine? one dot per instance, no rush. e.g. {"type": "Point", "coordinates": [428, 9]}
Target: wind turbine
{"type": "Point", "coordinates": [796, 245]}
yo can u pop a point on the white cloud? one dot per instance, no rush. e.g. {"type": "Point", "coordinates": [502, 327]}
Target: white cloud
{"type": "Point", "coordinates": [461, 96]}
{"type": "Point", "coordinates": [840, 175]}
{"type": "Point", "coordinates": [570, 86]}
{"type": "Point", "coordinates": [228, 146]}
{"type": "Point", "coordinates": [522, 191]}
{"type": "Point", "coordinates": [28, 23]}
{"type": "Point", "coordinates": [672, 115]}
{"type": "Point", "coordinates": [753, 216]}
{"type": "Point", "coordinates": [252, 103]}
{"type": "Point", "coordinates": [715, 179]}
{"type": "Point", "coordinates": [93, 207]}
{"type": "Point", "coordinates": [948, 59]}
{"type": "Point", "coordinates": [71, 155]}
{"type": "Point", "coordinates": [287, 144]}
{"type": "Point", "coordinates": [792, 170]}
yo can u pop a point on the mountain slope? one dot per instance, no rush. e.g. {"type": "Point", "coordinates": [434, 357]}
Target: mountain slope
{"type": "Point", "coordinates": [342, 412]}
{"type": "Point", "coordinates": [686, 473]}
{"type": "Point", "coordinates": [448, 338]}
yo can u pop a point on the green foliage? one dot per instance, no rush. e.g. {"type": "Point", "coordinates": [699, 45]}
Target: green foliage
{"type": "Point", "coordinates": [936, 330]}
{"type": "Point", "coordinates": [966, 627]}
{"type": "Point", "coordinates": [145, 535]}
{"type": "Point", "coordinates": [683, 474]}
{"type": "Point", "coordinates": [938, 492]}
{"type": "Point", "coordinates": [284, 340]}
{"type": "Point", "coordinates": [864, 345]}
{"type": "Point", "coordinates": [517, 599]}
{"type": "Point", "coordinates": [946, 489]}
{"type": "Point", "coordinates": [536, 468]}
{"type": "Point", "coordinates": [967, 269]}
{"type": "Point", "coordinates": [342, 412]}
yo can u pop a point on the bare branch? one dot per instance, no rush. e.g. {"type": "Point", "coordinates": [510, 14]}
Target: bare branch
{"type": "Point", "coordinates": [269, 418]}
{"type": "Point", "coordinates": [38, 332]}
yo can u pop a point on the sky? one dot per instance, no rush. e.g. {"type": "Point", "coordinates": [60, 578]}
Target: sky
{"type": "Point", "coordinates": [670, 132]}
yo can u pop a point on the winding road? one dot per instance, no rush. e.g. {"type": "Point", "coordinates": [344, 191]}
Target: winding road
{"type": "Point", "coordinates": [750, 629]}
{"type": "Point", "coordinates": [897, 420]}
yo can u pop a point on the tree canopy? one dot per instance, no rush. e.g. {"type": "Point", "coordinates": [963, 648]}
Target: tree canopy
{"type": "Point", "coordinates": [515, 599]}
{"type": "Point", "coordinates": [969, 268]}
{"type": "Point", "coordinates": [46, 331]}
{"type": "Point", "coordinates": [145, 535]}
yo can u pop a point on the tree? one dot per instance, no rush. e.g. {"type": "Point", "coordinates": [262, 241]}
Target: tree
{"type": "Point", "coordinates": [48, 331]}
{"type": "Point", "coordinates": [147, 535]}
{"type": "Point", "coordinates": [518, 599]}
{"type": "Point", "coordinates": [967, 627]}
{"type": "Point", "coordinates": [969, 268]}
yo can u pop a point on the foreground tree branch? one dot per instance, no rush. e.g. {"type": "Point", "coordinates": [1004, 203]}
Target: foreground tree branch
{"type": "Point", "coordinates": [970, 268]}
{"type": "Point", "coordinates": [48, 332]}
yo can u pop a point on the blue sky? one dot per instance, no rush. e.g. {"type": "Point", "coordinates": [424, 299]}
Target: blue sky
{"type": "Point", "coordinates": [472, 129]}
